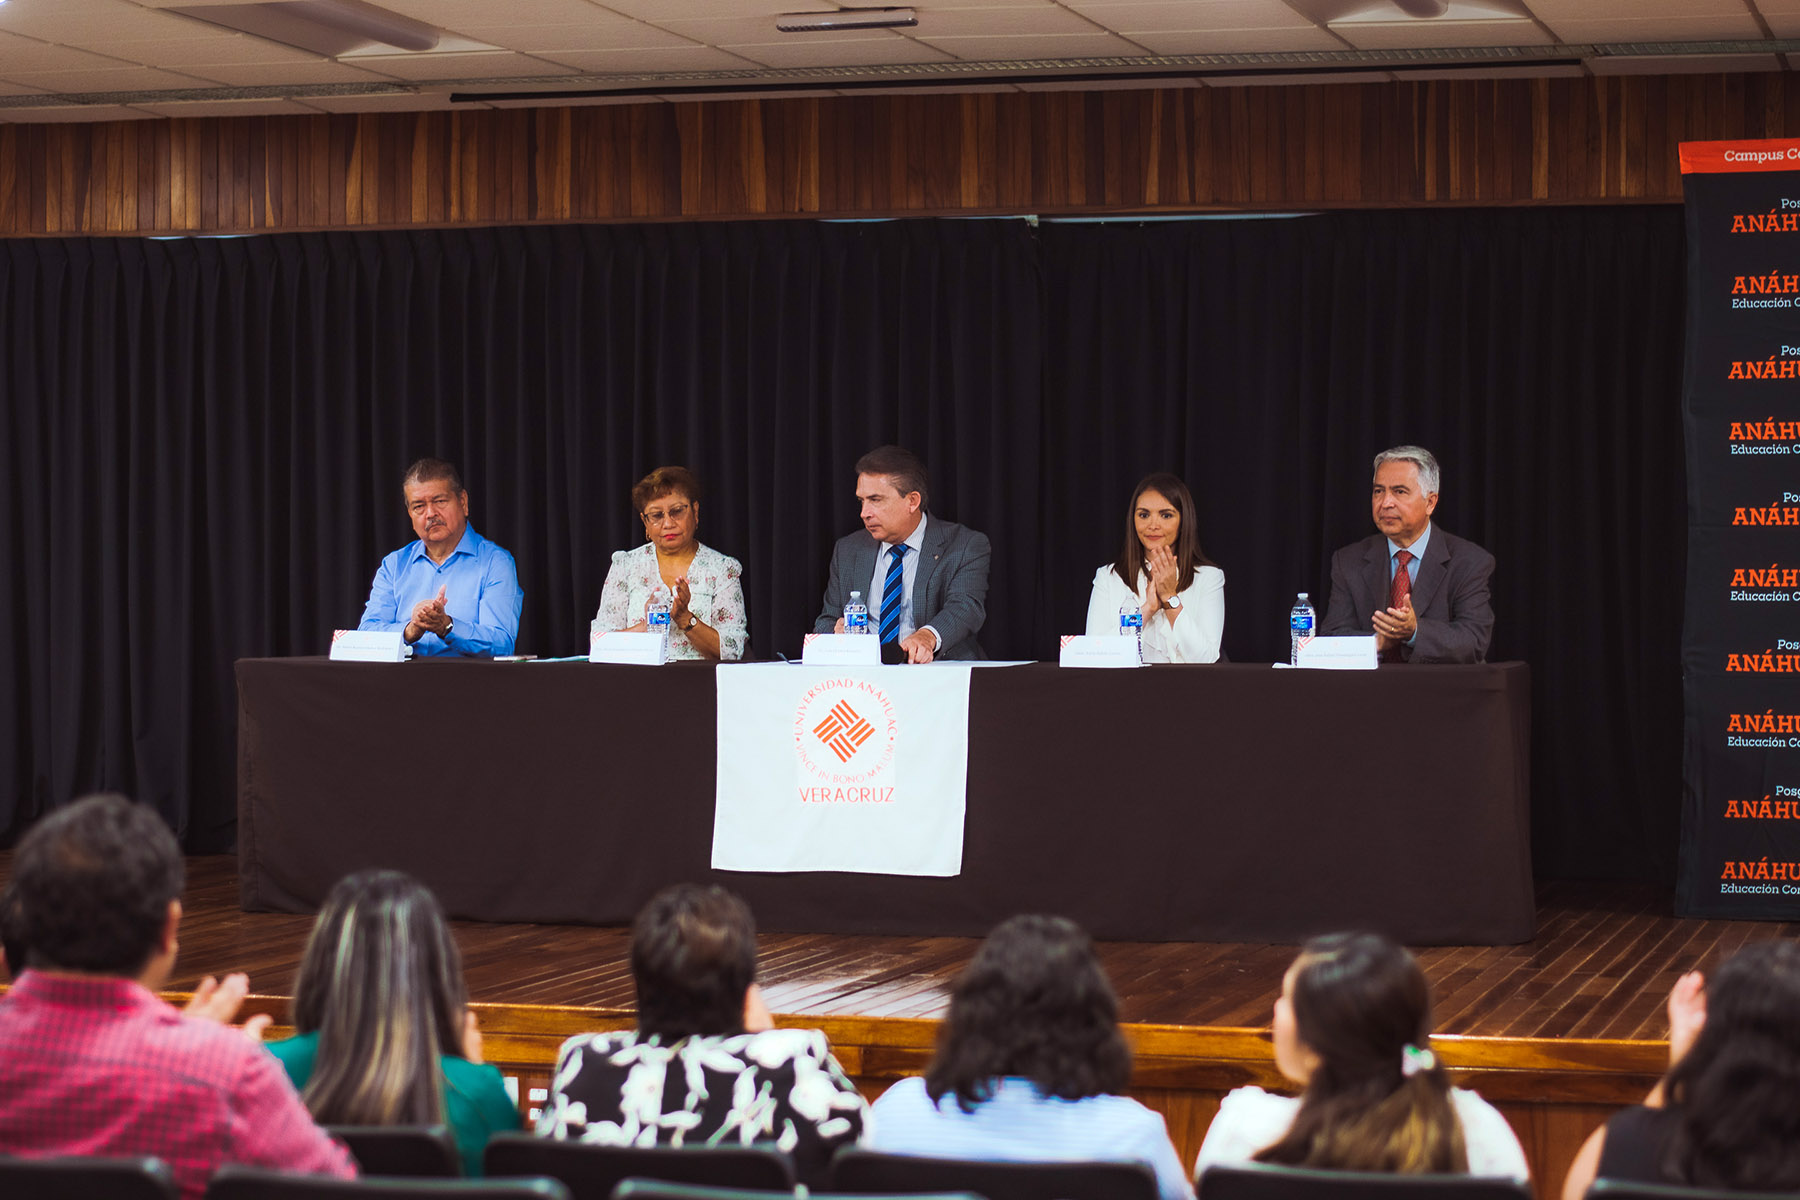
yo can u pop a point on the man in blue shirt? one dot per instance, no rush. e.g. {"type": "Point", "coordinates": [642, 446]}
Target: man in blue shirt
{"type": "Point", "coordinates": [452, 591]}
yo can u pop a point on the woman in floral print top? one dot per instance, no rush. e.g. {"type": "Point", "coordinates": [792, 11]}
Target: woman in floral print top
{"type": "Point", "coordinates": [706, 601]}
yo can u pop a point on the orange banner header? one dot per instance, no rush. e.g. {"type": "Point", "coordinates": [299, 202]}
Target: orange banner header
{"type": "Point", "coordinates": [1762, 154]}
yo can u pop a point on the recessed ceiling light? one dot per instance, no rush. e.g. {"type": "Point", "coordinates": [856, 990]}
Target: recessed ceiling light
{"type": "Point", "coordinates": [847, 18]}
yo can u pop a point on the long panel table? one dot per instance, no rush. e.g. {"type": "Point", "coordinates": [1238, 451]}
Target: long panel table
{"type": "Point", "coordinates": [1208, 803]}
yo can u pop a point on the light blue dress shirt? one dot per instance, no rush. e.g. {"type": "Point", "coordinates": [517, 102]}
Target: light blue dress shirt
{"type": "Point", "coordinates": [1015, 1124]}
{"type": "Point", "coordinates": [482, 596]}
{"type": "Point", "coordinates": [1417, 550]}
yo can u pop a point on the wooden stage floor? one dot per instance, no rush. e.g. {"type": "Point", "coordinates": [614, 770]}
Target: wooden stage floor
{"type": "Point", "coordinates": [1600, 967]}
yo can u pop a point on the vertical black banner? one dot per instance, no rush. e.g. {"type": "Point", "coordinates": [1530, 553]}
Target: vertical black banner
{"type": "Point", "coordinates": [1740, 840]}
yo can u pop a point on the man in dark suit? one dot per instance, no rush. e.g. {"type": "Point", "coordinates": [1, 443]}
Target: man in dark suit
{"type": "Point", "coordinates": [1421, 590]}
{"type": "Point", "coordinates": [923, 578]}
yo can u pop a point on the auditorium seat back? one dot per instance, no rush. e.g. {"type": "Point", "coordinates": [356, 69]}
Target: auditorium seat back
{"type": "Point", "coordinates": [255, 1183]}
{"type": "Point", "coordinates": [74, 1178]}
{"type": "Point", "coordinates": [662, 1189]}
{"type": "Point", "coordinates": [419, 1151]}
{"type": "Point", "coordinates": [592, 1172]}
{"type": "Point", "coordinates": [867, 1172]}
{"type": "Point", "coordinates": [1264, 1181]}
{"type": "Point", "coordinates": [1618, 1189]}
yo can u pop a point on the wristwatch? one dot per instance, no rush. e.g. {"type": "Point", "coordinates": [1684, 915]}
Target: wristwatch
{"type": "Point", "coordinates": [449, 625]}
{"type": "Point", "coordinates": [1173, 602]}
{"type": "Point", "coordinates": [693, 620]}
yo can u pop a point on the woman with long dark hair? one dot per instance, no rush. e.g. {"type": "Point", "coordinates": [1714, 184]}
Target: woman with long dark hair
{"type": "Point", "coordinates": [1030, 1066]}
{"type": "Point", "coordinates": [1162, 574]}
{"type": "Point", "coordinates": [384, 1035]}
{"type": "Point", "coordinates": [1353, 1029]}
{"type": "Point", "coordinates": [1727, 1114]}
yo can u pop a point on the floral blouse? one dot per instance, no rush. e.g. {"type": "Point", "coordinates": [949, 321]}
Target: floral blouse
{"type": "Point", "coordinates": [779, 1087]}
{"type": "Point", "coordinates": [715, 596]}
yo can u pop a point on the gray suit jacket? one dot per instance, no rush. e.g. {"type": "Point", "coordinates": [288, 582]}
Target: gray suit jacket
{"type": "Point", "coordinates": [1450, 597]}
{"type": "Point", "coordinates": [949, 587]}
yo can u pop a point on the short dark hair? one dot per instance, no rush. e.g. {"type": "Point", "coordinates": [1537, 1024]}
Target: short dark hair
{"type": "Point", "coordinates": [693, 956]}
{"type": "Point", "coordinates": [93, 881]}
{"type": "Point", "coordinates": [902, 466]}
{"type": "Point", "coordinates": [428, 470]}
{"type": "Point", "coordinates": [662, 482]}
{"type": "Point", "coordinates": [1033, 1003]}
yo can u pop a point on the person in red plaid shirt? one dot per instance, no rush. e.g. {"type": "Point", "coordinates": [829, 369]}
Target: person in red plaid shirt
{"type": "Point", "coordinates": [91, 1061]}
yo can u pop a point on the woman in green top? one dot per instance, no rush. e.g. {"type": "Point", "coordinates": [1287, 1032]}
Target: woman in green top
{"type": "Point", "coordinates": [385, 1035]}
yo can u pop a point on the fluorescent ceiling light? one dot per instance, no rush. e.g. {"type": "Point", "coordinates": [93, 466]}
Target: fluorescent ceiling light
{"type": "Point", "coordinates": [324, 27]}
{"type": "Point", "coordinates": [847, 18]}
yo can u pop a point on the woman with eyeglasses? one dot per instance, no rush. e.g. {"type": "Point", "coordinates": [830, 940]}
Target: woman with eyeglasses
{"type": "Point", "coordinates": [707, 618]}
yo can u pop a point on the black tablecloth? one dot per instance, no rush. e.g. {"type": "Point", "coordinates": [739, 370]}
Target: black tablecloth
{"type": "Point", "coordinates": [1216, 803]}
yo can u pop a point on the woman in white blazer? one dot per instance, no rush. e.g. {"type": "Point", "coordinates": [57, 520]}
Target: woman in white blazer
{"type": "Point", "coordinates": [1162, 572]}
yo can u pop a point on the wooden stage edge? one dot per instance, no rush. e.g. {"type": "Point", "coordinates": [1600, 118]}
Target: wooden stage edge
{"type": "Point", "coordinates": [1557, 1032]}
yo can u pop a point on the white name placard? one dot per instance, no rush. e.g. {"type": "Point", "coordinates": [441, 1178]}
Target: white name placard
{"type": "Point", "coordinates": [1101, 650]}
{"type": "Point", "coordinates": [634, 649]}
{"type": "Point", "coordinates": [369, 645]}
{"type": "Point", "coordinates": [841, 650]}
{"type": "Point", "coordinates": [1355, 652]}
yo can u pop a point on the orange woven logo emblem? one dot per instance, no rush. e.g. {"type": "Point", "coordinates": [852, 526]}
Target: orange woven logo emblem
{"type": "Point", "coordinates": [843, 731]}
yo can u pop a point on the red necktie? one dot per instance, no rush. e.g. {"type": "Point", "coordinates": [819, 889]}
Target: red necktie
{"type": "Point", "coordinates": [1401, 588]}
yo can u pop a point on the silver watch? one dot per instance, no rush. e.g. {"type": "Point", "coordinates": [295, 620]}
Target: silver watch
{"type": "Point", "coordinates": [1173, 602]}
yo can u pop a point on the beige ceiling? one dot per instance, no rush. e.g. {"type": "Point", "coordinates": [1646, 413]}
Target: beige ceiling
{"type": "Point", "coordinates": [89, 60]}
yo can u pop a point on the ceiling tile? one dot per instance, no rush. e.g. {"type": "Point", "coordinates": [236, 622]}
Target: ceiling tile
{"type": "Point", "coordinates": [288, 74]}
{"type": "Point", "coordinates": [1661, 29]}
{"type": "Point", "coordinates": [1182, 16]}
{"type": "Point", "coordinates": [78, 21]}
{"type": "Point", "coordinates": [449, 14]}
{"type": "Point", "coordinates": [121, 79]}
{"type": "Point", "coordinates": [1240, 41]}
{"type": "Point", "coordinates": [224, 48]}
{"type": "Point", "coordinates": [1719, 64]}
{"type": "Point", "coordinates": [868, 52]}
{"type": "Point", "coordinates": [1784, 25]}
{"type": "Point", "coordinates": [975, 22]}
{"type": "Point", "coordinates": [747, 29]}
{"type": "Point", "coordinates": [549, 39]}
{"type": "Point", "coordinates": [483, 64]}
{"type": "Point", "coordinates": [661, 12]}
{"type": "Point", "coordinates": [1410, 35]}
{"type": "Point", "coordinates": [227, 108]}
{"type": "Point", "coordinates": [1054, 45]}
{"type": "Point", "coordinates": [72, 115]}
{"type": "Point", "coordinates": [1550, 11]}
{"type": "Point", "coordinates": [676, 58]}
{"type": "Point", "coordinates": [19, 89]}
{"type": "Point", "coordinates": [27, 54]}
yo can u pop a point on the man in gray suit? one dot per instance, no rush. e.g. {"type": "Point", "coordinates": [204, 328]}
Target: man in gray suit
{"type": "Point", "coordinates": [923, 578]}
{"type": "Point", "coordinates": [1421, 590]}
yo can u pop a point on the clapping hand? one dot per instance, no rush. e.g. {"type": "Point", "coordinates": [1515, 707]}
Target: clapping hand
{"type": "Point", "coordinates": [1165, 575]}
{"type": "Point", "coordinates": [679, 596]}
{"type": "Point", "coordinates": [429, 617]}
{"type": "Point", "coordinates": [1395, 626]}
{"type": "Point", "coordinates": [219, 1000]}
{"type": "Point", "coordinates": [1687, 1014]}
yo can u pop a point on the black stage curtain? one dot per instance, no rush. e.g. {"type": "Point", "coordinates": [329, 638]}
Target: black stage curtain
{"type": "Point", "coordinates": [203, 439]}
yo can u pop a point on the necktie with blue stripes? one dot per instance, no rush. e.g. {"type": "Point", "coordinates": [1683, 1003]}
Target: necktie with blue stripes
{"type": "Point", "coordinates": [893, 594]}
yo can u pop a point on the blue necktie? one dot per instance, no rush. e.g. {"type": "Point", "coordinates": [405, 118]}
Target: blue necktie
{"type": "Point", "coordinates": [893, 594]}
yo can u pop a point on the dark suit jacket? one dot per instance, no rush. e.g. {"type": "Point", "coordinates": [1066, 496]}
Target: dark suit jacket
{"type": "Point", "coordinates": [1450, 596]}
{"type": "Point", "coordinates": [949, 587]}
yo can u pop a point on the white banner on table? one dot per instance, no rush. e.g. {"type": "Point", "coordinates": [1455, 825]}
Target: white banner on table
{"type": "Point", "coordinates": [841, 768]}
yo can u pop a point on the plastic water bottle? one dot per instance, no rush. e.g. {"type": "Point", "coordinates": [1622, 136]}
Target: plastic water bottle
{"type": "Point", "coordinates": [656, 620]}
{"type": "Point", "coordinates": [856, 614]}
{"type": "Point", "coordinates": [1301, 623]}
{"type": "Point", "coordinates": [1131, 625]}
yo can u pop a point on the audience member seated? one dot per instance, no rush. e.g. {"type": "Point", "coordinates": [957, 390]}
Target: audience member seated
{"type": "Point", "coordinates": [705, 1066]}
{"type": "Point", "coordinates": [91, 1061]}
{"type": "Point", "coordinates": [1353, 1029]}
{"type": "Point", "coordinates": [384, 1032]}
{"type": "Point", "coordinates": [1030, 1066]}
{"type": "Point", "coordinates": [1727, 1114]}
